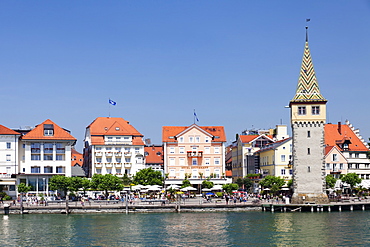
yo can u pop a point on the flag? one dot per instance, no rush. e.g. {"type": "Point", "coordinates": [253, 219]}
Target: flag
{"type": "Point", "coordinates": [195, 116]}
{"type": "Point", "coordinates": [112, 102]}
{"type": "Point", "coordinates": [307, 20]}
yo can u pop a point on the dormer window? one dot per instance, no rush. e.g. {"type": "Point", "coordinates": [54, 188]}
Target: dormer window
{"type": "Point", "coordinates": [48, 129]}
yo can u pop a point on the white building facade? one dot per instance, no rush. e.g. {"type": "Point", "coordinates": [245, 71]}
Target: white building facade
{"type": "Point", "coordinates": [113, 146]}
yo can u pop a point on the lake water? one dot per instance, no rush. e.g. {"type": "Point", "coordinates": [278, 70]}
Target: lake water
{"type": "Point", "coordinates": [188, 229]}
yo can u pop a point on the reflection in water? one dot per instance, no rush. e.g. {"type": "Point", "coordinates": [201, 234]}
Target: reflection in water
{"type": "Point", "coordinates": [188, 229]}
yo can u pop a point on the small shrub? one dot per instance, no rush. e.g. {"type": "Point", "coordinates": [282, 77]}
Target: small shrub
{"type": "Point", "coordinates": [7, 198]}
{"type": "Point", "coordinates": [219, 194]}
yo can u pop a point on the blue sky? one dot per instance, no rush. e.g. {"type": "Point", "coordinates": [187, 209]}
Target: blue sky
{"type": "Point", "coordinates": [236, 62]}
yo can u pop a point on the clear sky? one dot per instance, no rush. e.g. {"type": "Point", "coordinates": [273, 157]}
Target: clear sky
{"type": "Point", "coordinates": [235, 62]}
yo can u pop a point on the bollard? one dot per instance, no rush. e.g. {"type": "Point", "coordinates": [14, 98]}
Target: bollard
{"type": "Point", "coordinates": [6, 208]}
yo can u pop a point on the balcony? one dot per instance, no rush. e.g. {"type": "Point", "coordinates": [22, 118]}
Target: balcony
{"type": "Point", "coordinates": [98, 153]}
{"type": "Point", "coordinates": [127, 165]}
{"type": "Point", "coordinates": [108, 164]}
{"type": "Point", "coordinates": [128, 154]}
{"type": "Point", "coordinates": [195, 154]}
{"type": "Point", "coordinates": [109, 154]}
{"type": "Point", "coordinates": [118, 164]}
{"type": "Point", "coordinates": [118, 154]}
{"type": "Point", "coordinates": [98, 164]}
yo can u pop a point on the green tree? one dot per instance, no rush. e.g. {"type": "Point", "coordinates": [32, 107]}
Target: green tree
{"type": "Point", "coordinates": [207, 184]}
{"type": "Point", "coordinates": [148, 176]}
{"type": "Point", "coordinates": [185, 183]}
{"type": "Point", "coordinates": [247, 183]}
{"type": "Point", "coordinates": [330, 181]}
{"type": "Point", "coordinates": [239, 182]}
{"type": "Point", "coordinates": [352, 179]}
{"type": "Point", "coordinates": [273, 183]}
{"type": "Point", "coordinates": [74, 183]}
{"type": "Point", "coordinates": [107, 182]}
{"type": "Point", "coordinates": [126, 180]}
{"type": "Point", "coordinates": [59, 182]}
{"type": "Point", "coordinates": [290, 183]}
{"type": "Point", "coordinates": [23, 188]}
{"type": "Point", "coordinates": [85, 184]}
{"type": "Point", "coordinates": [230, 187]}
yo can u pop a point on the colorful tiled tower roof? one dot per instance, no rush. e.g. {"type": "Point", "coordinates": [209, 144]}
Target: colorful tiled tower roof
{"type": "Point", "coordinates": [308, 88]}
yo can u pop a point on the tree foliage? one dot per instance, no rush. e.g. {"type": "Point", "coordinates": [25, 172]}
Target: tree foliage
{"type": "Point", "coordinates": [273, 183]}
{"type": "Point", "coordinates": [207, 184]}
{"type": "Point", "coordinates": [107, 182]}
{"type": "Point", "coordinates": [290, 183]}
{"type": "Point", "coordinates": [351, 178]}
{"type": "Point", "coordinates": [330, 181]}
{"type": "Point", "coordinates": [185, 183]}
{"type": "Point", "coordinates": [245, 182]}
{"type": "Point", "coordinates": [126, 180]}
{"type": "Point", "coordinates": [59, 182]}
{"type": "Point", "coordinates": [230, 187]}
{"type": "Point", "coordinates": [23, 188]}
{"type": "Point", "coordinates": [148, 176]}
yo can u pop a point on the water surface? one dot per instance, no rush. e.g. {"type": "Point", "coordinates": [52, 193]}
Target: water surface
{"type": "Point", "coordinates": [188, 229]}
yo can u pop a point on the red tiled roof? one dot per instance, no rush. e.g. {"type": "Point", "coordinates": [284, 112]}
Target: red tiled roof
{"type": "Point", "coordinates": [228, 173]}
{"type": "Point", "coordinates": [79, 158]}
{"type": "Point", "coordinates": [112, 126]}
{"type": "Point", "coordinates": [38, 133]}
{"type": "Point", "coordinates": [333, 135]}
{"type": "Point", "coordinates": [249, 138]}
{"type": "Point", "coordinates": [137, 141]}
{"type": "Point", "coordinates": [152, 157]}
{"type": "Point", "coordinates": [6, 131]}
{"type": "Point", "coordinates": [328, 149]}
{"type": "Point", "coordinates": [169, 131]}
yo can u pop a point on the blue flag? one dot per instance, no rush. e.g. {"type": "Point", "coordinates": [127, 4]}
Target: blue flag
{"type": "Point", "coordinates": [195, 115]}
{"type": "Point", "coordinates": [112, 102]}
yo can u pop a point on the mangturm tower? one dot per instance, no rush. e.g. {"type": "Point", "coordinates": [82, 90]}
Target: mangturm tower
{"type": "Point", "coordinates": [308, 117]}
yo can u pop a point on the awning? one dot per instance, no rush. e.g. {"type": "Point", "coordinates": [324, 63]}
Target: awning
{"type": "Point", "coordinates": [7, 182]}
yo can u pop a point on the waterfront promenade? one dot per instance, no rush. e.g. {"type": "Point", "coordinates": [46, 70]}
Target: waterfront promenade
{"type": "Point", "coordinates": [188, 205]}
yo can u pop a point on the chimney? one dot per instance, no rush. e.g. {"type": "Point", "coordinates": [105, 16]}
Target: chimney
{"type": "Point", "coordinates": [340, 128]}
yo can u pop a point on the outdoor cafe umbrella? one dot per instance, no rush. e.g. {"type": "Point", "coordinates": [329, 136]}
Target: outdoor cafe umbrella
{"type": "Point", "coordinates": [190, 188]}
{"type": "Point", "coordinates": [205, 189]}
{"type": "Point", "coordinates": [217, 187]}
{"type": "Point", "coordinates": [174, 187]}
{"type": "Point", "coordinates": [154, 188]}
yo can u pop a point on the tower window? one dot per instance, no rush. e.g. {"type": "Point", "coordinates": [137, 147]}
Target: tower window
{"type": "Point", "coordinates": [308, 151]}
{"type": "Point", "coordinates": [308, 134]}
{"type": "Point", "coordinates": [315, 110]}
{"type": "Point", "coordinates": [301, 110]}
{"type": "Point", "coordinates": [309, 169]}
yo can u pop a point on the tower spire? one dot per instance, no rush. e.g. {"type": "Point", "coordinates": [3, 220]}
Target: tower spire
{"type": "Point", "coordinates": [308, 87]}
